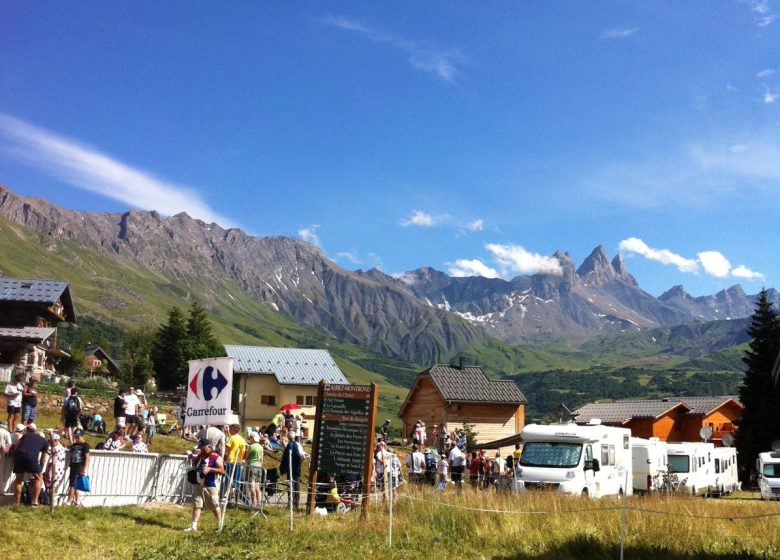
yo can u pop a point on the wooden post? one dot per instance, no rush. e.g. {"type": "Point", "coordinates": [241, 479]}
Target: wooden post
{"type": "Point", "coordinates": [315, 450]}
{"type": "Point", "coordinates": [369, 462]}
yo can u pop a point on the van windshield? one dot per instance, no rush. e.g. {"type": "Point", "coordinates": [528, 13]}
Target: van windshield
{"type": "Point", "coordinates": [771, 470]}
{"type": "Point", "coordinates": [551, 454]}
{"type": "Point", "coordinates": [679, 463]}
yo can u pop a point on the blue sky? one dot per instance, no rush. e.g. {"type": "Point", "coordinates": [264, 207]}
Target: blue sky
{"type": "Point", "coordinates": [469, 137]}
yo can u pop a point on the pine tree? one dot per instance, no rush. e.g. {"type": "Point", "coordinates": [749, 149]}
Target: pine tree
{"type": "Point", "coordinates": [760, 423]}
{"type": "Point", "coordinates": [137, 365]}
{"type": "Point", "coordinates": [201, 343]}
{"type": "Point", "coordinates": [169, 351]}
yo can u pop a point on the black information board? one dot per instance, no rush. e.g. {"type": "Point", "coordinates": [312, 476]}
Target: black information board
{"type": "Point", "coordinates": [344, 429]}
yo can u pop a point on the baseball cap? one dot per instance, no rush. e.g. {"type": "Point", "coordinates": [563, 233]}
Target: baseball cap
{"type": "Point", "coordinates": [32, 427]}
{"type": "Point", "coordinates": [203, 443]}
{"type": "Point", "coordinates": [139, 392]}
{"type": "Point", "coordinates": [77, 433]}
{"type": "Point", "coordinates": [55, 436]}
{"type": "Point", "coordinates": [3, 424]}
{"type": "Point", "coordinates": [255, 436]}
{"type": "Point", "coordinates": [20, 427]}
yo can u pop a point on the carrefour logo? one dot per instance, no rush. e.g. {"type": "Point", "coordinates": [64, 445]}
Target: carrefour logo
{"type": "Point", "coordinates": [207, 384]}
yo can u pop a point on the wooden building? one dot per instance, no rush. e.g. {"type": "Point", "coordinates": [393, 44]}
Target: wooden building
{"type": "Point", "coordinates": [98, 362]}
{"type": "Point", "coordinates": [269, 378]}
{"type": "Point", "coordinates": [454, 394]}
{"type": "Point", "coordinates": [30, 311]}
{"type": "Point", "coordinates": [669, 419]}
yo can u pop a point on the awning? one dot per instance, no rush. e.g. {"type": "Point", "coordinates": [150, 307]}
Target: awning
{"type": "Point", "coordinates": [499, 443]}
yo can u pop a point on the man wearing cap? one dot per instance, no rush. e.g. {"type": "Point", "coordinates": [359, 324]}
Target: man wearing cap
{"type": "Point", "coordinates": [79, 461]}
{"type": "Point", "coordinates": [215, 436]}
{"type": "Point", "coordinates": [29, 458]}
{"type": "Point", "coordinates": [205, 494]}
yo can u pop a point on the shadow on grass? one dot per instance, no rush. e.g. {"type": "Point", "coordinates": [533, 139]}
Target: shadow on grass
{"type": "Point", "coordinates": [584, 548]}
{"type": "Point", "coordinates": [141, 520]}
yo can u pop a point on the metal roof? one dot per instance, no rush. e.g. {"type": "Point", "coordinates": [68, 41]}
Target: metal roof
{"type": "Point", "coordinates": [291, 366]}
{"type": "Point", "coordinates": [38, 291]}
{"type": "Point", "coordinates": [471, 384]}
{"type": "Point", "coordinates": [27, 333]}
{"type": "Point", "coordinates": [621, 411]}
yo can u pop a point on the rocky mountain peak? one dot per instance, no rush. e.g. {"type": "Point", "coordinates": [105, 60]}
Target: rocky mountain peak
{"type": "Point", "coordinates": [596, 262]}
{"type": "Point", "coordinates": [675, 292]}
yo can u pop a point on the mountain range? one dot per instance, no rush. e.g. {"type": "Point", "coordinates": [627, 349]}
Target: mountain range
{"type": "Point", "coordinates": [423, 316]}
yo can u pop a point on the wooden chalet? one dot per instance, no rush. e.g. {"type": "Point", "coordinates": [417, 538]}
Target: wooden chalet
{"type": "Point", "coordinates": [98, 361]}
{"type": "Point", "coordinates": [454, 394]}
{"type": "Point", "coordinates": [669, 419]}
{"type": "Point", "coordinates": [30, 311]}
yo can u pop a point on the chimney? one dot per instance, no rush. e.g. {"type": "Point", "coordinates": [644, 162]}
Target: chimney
{"type": "Point", "coordinates": [461, 363]}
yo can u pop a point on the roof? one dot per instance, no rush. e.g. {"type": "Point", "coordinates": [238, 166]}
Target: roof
{"type": "Point", "coordinates": [291, 366]}
{"type": "Point", "coordinates": [468, 385]}
{"type": "Point", "coordinates": [30, 290]}
{"type": "Point", "coordinates": [621, 411]}
{"type": "Point", "coordinates": [36, 334]}
{"type": "Point", "coordinates": [98, 352]}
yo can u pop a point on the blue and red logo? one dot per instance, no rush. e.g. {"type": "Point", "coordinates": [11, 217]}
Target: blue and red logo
{"type": "Point", "coordinates": [207, 384]}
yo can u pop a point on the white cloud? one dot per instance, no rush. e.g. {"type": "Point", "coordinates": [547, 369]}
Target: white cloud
{"type": "Point", "coordinates": [349, 256]}
{"type": "Point", "coordinates": [743, 272]}
{"type": "Point", "coordinates": [89, 169]}
{"type": "Point", "coordinates": [663, 256]}
{"type": "Point", "coordinates": [714, 263]}
{"type": "Point", "coordinates": [514, 260]}
{"type": "Point", "coordinates": [473, 267]}
{"type": "Point", "coordinates": [440, 63]}
{"type": "Point", "coordinates": [746, 160]}
{"type": "Point", "coordinates": [762, 11]}
{"type": "Point", "coordinates": [422, 219]}
{"type": "Point", "coordinates": [770, 96]}
{"type": "Point", "coordinates": [766, 73]}
{"type": "Point", "coordinates": [619, 32]}
{"type": "Point", "coordinates": [309, 234]}
{"type": "Point", "coordinates": [476, 225]}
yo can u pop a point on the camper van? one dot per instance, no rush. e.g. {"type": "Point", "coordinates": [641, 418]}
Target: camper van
{"type": "Point", "coordinates": [591, 460]}
{"type": "Point", "coordinates": [769, 475]}
{"type": "Point", "coordinates": [725, 467]}
{"type": "Point", "coordinates": [693, 465]}
{"type": "Point", "coordinates": [649, 462]}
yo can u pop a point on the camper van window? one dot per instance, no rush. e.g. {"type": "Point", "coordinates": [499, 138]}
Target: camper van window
{"type": "Point", "coordinates": [771, 470]}
{"type": "Point", "coordinates": [717, 466]}
{"type": "Point", "coordinates": [679, 463]}
{"type": "Point", "coordinates": [626, 441]}
{"type": "Point", "coordinates": [588, 453]}
{"type": "Point", "coordinates": [550, 454]}
{"type": "Point", "coordinates": [604, 455]}
{"type": "Point", "coordinates": [612, 455]}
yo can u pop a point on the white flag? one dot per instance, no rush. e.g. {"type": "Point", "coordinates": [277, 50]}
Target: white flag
{"type": "Point", "coordinates": [209, 390]}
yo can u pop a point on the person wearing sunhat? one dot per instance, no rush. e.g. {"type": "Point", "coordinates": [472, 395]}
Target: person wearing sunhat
{"type": "Point", "coordinates": [205, 493]}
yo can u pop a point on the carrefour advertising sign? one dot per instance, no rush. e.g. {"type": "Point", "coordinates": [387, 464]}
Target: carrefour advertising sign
{"type": "Point", "coordinates": [209, 388]}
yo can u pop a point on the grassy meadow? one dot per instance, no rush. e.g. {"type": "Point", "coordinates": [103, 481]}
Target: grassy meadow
{"type": "Point", "coordinates": [428, 526]}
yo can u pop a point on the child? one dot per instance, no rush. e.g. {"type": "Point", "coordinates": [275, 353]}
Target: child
{"type": "Point", "coordinates": [443, 469]}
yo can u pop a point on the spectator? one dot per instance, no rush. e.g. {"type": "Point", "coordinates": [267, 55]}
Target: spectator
{"type": "Point", "coordinates": [386, 431]}
{"type": "Point", "coordinates": [381, 458]}
{"type": "Point", "coordinates": [57, 463]}
{"type": "Point", "coordinates": [68, 388]}
{"type": "Point", "coordinates": [235, 452]}
{"type": "Point", "coordinates": [5, 438]}
{"type": "Point", "coordinates": [13, 398]}
{"type": "Point", "coordinates": [276, 423]}
{"type": "Point", "coordinates": [290, 466]}
{"type": "Point", "coordinates": [115, 441]}
{"type": "Point", "coordinates": [416, 463]}
{"type": "Point", "coordinates": [443, 468]}
{"type": "Point", "coordinates": [151, 424]}
{"type": "Point", "coordinates": [209, 465]}
{"type": "Point", "coordinates": [461, 440]}
{"type": "Point", "coordinates": [29, 458]}
{"type": "Point", "coordinates": [16, 437]}
{"type": "Point", "coordinates": [30, 402]}
{"type": "Point", "coordinates": [79, 461]}
{"type": "Point", "coordinates": [458, 464]}
{"type": "Point", "coordinates": [138, 445]}
{"type": "Point", "coordinates": [132, 403]}
{"type": "Point", "coordinates": [215, 435]}
{"type": "Point", "coordinates": [510, 465]}
{"type": "Point", "coordinates": [395, 471]}
{"type": "Point", "coordinates": [332, 499]}
{"type": "Point", "coordinates": [120, 416]}
{"type": "Point", "coordinates": [72, 410]}
{"type": "Point", "coordinates": [254, 461]}
{"type": "Point", "coordinates": [142, 404]}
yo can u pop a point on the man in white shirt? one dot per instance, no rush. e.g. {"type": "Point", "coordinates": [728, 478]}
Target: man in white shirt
{"type": "Point", "coordinates": [416, 463]}
{"type": "Point", "coordinates": [5, 438]}
{"type": "Point", "coordinates": [131, 411]}
{"type": "Point", "coordinates": [458, 464]}
{"type": "Point", "coordinates": [13, 397]}
{"type": "Point", "coordinates": [215, 436]}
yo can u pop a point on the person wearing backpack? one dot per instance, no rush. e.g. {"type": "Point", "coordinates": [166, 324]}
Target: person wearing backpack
{"type": "Point", "coordinates": [72, 410]}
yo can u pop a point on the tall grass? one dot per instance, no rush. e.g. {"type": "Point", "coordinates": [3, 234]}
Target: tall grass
{"type": "Point", "coordinates": [439, 527]}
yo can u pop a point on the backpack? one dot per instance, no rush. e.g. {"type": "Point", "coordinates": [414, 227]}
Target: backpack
{"type": "Point", "coordinates": [72, 407]}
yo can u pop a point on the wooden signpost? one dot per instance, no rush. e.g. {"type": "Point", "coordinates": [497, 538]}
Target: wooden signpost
{"type": "Point", "coordinates": [343, 435]}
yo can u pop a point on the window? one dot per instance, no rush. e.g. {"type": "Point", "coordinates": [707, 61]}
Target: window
{"type": "Point", "coordinates": [626, 442]}
{"type": "Point", "coordinates": [550, 454]}
{"type": "Point", "coordinates": [268, 399]}
{"type": "Point", "coordinates": [311, 401]}
{"type": "Point", "coordinates": [299, 399]}
{"type": "Point", "coordinates": [604, 455]}
{"type": "Point", "coordinates": [612, 455]}
{"type": "Point", "coordinates": [679, 463]}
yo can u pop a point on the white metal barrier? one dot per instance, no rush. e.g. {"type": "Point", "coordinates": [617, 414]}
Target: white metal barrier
{"type": "Point", "coordinates": [118, 478]}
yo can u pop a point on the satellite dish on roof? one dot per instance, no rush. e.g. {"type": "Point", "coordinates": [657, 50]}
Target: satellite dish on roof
{"type": "Point", "coordinates": [775, 446]}
{"type": "Point", "coordinates": [705, 432]}
{"type": "Point", "coordinates": [728, 440]}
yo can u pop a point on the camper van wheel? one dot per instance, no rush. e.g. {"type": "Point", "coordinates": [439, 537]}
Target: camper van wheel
{"type": "Point", "coordinates": [584, 493]}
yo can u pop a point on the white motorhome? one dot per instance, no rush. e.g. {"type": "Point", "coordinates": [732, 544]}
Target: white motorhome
{"type": "Point", "coordinates": [591, 460]}
{"type": "Point", "coordinates": [725, 466]}
{"type": "Point", "coordinates": [769, 475]}
{"type": "Point", "coordinates": [693, 465]}
{"type": "Point", "coordinates": [649, 463]}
